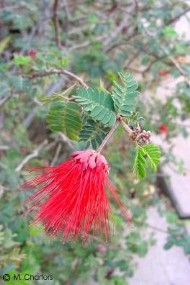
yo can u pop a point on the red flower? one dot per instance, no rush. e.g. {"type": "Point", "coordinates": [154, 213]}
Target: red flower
{"type": "Point", "coordinates": [32, 53]}
{"type": "Point", "coordinates": [163, 129]}
{"type": "Point", "coordinates": [71, 199]}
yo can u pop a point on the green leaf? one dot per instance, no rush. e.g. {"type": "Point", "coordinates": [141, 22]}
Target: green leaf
{"type": "Point", "coordinates": [142, 248]}
{"type": "Point", "coordinates": [125, 95]}
{"type": "Point", "coordinates": [98, 104]}
{"type": "Point", "coordinates": [140, 164]}
{"type": "Point", "coordinates": [144, 154]}
{"type": "Point", "coordinates": [65, 117]}
{"type": "Point", "coordinates": [92, 18]}
{"type": "Point", "coordinates": [22, 60]}
{"type": "Point", "coordinates": [171, 217]}
{"type": "Point", "coordinates": [93, 133]}
{"type": "Point", "coordinates": [35, 230]}
{"type": "Point", "coordinates": [168, 244]}
{"type": "Point", "coordinates": [169, 32]}
{"type": "Point", "coordinates": [118, 280]}
{"type": "Point", "coordinates": [20, 84]}
{"type": "Point", "coordinates": [4, 43]}
{"type": "Point", "coordinates": [152, 152]}
{"type": "Point", "coordinates": [57, 96]}
{"type": "Point", "coordinates": [64, 62]}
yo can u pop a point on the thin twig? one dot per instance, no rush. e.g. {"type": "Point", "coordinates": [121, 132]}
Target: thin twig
{"type": "Point", "coordinates": [114, 34]}
{"type": "Point", "coordinates": [172, 20]}
{"type": "Point", "coordinates": [58, 150]}
{"type": "Point", "coordinates": [67, 10]}
{"type": "Point", "coordinates": [56, 23]}
{"type": "Point", "coordinates": [75, 77]}
{"type": "Point", "coordinates": [81, 45]}
{"type": "Point", "coordinates": [35, 153]}
{"type": "Point", "coordinates": [56, 71]}
{"type": "Point", "coordinates": [66, 140]}
{"type": "Point", "coordinates": [126, 127]}
{"type": "Point", "coordinates": [136, 6]}
{"type": "Point", "coordinates": [164, 231]}
{"type": "Point", "coordinates": [157, 229]}
{"type": "Point", "coordinates": [172, 59]}
{"type": "Point", "coordinates": [109, 135]}
{"type": "Point", "coordinates": [4, 100]}
{"type": "Point", "coordinates": [132, 35]}
{"type": "Point", "coordinates": [177, 65]}
{"type": "Point", "coordinates": [50, 145]}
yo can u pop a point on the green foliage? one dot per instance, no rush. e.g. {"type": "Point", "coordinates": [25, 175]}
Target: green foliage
{"type": "Point", "coordinates": [125, 95]}
{"type": "Point", "coordinates": [21, 84]}
{"type": "Point", "coordinates": [22, 124]}
{"type": "Point", "coordinates": [96, 62]}
{"type": "Point", "coordinates": [65, 117]}
{"type": "Point", "coordinates": [9, 248]}
{"type": "Point", "coordinates": [178, 237]}
{"type": "Point", "coordinates": [6, 238]}
{"type": "Point", "coordinates": [98, 104]}
{"type": "Point", "coordinates": [169, 32]}
{"type": "Point", "coordinates": [22, 60]}
{"type": "Point", "coordinates": [146, 155]}
{"type": "Point", "coordinates": [93, 133]}
{"type": "Point", "coordinates": [4, 42]}
{"type": "Point", "coordinates": [138, 246]}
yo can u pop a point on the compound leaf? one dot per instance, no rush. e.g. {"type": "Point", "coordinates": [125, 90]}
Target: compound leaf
{"type": "Point", "coordinates": [65, 117]}
{"type": "Point", "coordinates": [152, 153]}
{"type": "Point", "coordinates": [98, 104]}
{"type": "Point", "coordinates": [125, 95]}
{"type": "Point", "coordinates": [146, 155]}
{"type": "Point", "coordinates": [93, 133]}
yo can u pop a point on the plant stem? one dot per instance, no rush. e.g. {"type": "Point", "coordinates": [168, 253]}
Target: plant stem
{"type": "Point", "coordinates": [35, 153]}
{"type": "Point", "coordinates": [56, 71]}
{"type": "Point", "coordinates": [126, 127]}
{"type": "Point", "coordinates": [107, 138]}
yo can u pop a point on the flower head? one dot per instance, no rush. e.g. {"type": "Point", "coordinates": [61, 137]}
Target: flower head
{"type": "Point", "coordinates": [71, 197]}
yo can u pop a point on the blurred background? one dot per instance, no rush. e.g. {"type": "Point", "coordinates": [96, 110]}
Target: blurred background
{"type": "Point", "coordinates": [95, 40]}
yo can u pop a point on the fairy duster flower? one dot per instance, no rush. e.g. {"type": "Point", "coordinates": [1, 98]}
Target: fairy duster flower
{"type": "Point", "coordinates": [71, 199]}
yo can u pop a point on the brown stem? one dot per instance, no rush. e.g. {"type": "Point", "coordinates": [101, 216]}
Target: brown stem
{"type": "Point", "coordinates": [35, 153]}
{"type": "Point", "coordinates": [109, 135]}
{"type": "Point", "coordinates": [126, 127]}
{"type": "Point", "coordinates": [172, 20]}
{"type": "Point", "coordinates": [4, 100]}
{"type": "Point", "coordinates": [56, 71]}
{"type": "Point", "coordinates": [56, 23]}
{"type": "Point", "coordinates": [107, 138]}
